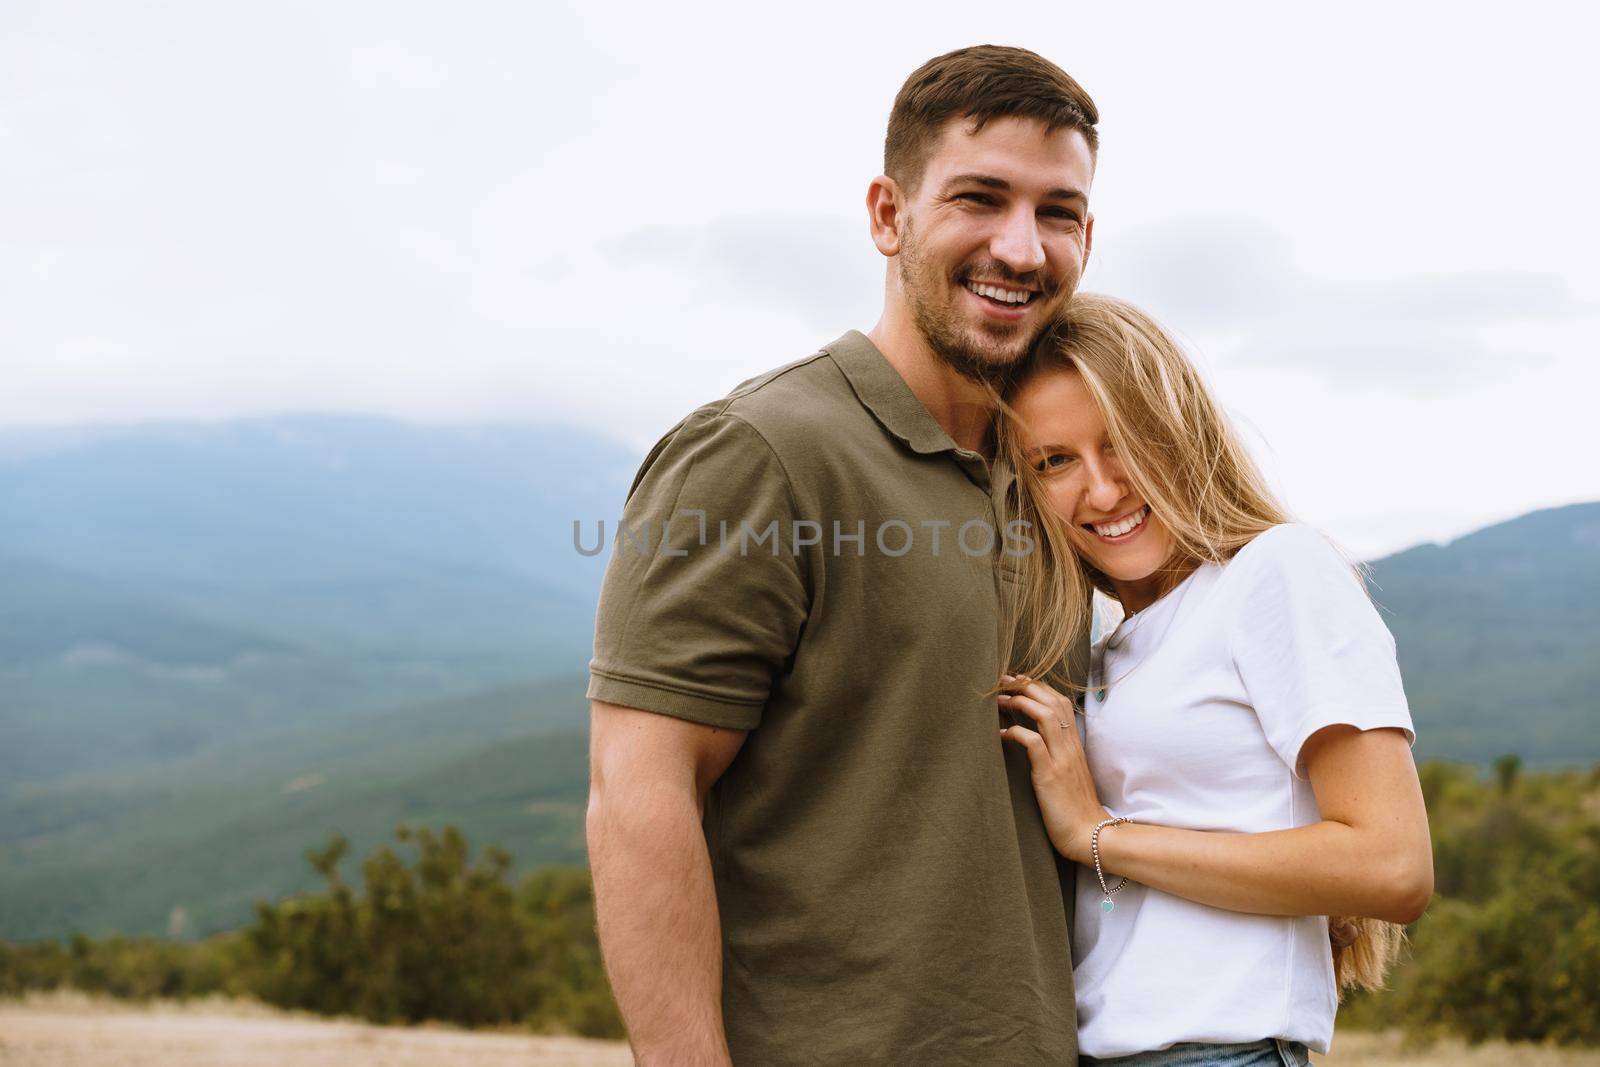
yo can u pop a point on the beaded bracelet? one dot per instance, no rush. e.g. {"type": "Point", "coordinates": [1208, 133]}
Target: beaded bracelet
{"type": "Point", "coordinates": [1094, 850]}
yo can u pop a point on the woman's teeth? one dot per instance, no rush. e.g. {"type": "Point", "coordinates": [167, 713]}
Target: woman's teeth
{"type": "Point", "coordinates": [1127, 525]}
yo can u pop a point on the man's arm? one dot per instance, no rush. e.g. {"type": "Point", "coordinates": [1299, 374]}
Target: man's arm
{"type": "Point", "coordinates": [654, 900]}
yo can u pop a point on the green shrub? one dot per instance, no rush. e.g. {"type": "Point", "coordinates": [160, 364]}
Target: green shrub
{"type": "Point", "coordinates": [1510, 948]}
{"type": "Point", "coordinates": [443, 937]}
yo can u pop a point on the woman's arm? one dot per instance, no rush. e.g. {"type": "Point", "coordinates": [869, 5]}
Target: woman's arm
{"type": "Point", "coordinates": [1369, 855]}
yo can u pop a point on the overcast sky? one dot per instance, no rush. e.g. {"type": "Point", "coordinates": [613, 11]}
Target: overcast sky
{"type": "Point", "coordinates": [1375, 225]}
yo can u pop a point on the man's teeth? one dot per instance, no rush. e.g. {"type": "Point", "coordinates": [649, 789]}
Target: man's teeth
{"type": "Point", "coordinates": [1005, 296]}
{"type": "Point", "coordinates": [1117, 529]}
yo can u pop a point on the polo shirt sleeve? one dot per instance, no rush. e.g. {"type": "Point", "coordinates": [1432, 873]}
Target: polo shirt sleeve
{"type": "Point", "coordinates": [1308, 643]}
{"type": "Point", "coordinates": [699, 624]}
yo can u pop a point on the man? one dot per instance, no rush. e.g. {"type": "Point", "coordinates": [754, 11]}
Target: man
{"type": "Point", "coordinates": [808, 845]}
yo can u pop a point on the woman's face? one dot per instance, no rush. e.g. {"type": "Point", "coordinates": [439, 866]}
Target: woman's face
{"type": "Point", "coordinates": [1064, 438]}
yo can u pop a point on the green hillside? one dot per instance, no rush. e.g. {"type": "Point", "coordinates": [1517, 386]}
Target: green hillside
{"type": "Point", "coordinates": [1499, 638]}
{"type": "Point", "coordinates": [214, 833]}
{"type": "Point", "coordinates": [51, 611]}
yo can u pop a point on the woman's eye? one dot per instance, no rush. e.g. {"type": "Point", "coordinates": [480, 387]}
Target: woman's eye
{"type": "Point", "coordinates": [1054, 461]}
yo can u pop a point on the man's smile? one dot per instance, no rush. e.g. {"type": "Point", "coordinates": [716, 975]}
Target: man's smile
{"type": "Point", "coordinates": [1001, 292]}
{"type": "Point", "coordinates": [1003, 301]}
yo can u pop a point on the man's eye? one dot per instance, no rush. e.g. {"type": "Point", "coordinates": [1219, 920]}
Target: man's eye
{"type": "Point", "coordinates": [976, 198]}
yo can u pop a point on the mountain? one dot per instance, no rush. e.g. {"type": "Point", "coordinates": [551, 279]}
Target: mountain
{"type": "Point", "coordinates": [168, 588]}
{"type": "Point", "coordinates": [1499, 638]}
{"type": "Point", "coordinates": [220, 643]}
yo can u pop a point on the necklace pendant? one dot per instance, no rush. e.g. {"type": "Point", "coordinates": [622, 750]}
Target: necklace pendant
{"type": "Point", "coordinates": [1107, 904]}
{"type": "Point", "coordinates": [1100, 695]}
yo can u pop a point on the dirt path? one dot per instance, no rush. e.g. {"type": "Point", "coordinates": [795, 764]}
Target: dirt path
{"type": "Point", "coordinates": [71, 1030]}
{"type": "Point", "coordinates": [76, 1031]}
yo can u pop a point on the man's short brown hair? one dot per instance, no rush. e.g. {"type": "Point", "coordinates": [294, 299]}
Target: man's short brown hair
{"type": "Point", "coordinates": [980, 83]}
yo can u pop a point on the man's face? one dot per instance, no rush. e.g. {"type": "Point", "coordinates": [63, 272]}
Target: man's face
{"type": "Point", "coordinates": [995, 239]}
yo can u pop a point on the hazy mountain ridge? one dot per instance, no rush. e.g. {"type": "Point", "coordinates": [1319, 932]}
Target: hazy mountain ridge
{"type": "Point", "coordinates": [239, 499]}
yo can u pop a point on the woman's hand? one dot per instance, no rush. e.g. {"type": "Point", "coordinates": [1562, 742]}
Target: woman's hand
{"type": "Point", "coordinates": [1060, 770]}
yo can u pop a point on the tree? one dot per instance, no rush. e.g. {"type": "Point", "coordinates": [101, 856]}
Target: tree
{"type": "Point", "coordinates": [1506, 769]}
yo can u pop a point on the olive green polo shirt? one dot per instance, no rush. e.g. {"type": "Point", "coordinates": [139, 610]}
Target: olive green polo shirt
{"type": "Point", "coordinates": [887, 891]}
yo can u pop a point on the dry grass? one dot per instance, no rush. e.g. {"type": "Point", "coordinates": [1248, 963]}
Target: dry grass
{"type": "Point", "coordinates": [73, 1030]}
{"type": "Point", "coordinates": [1352, 1049]}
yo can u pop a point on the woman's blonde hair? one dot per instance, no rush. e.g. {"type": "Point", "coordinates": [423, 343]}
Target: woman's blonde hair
{"type": "Point", "coordinates": [1181, 454]}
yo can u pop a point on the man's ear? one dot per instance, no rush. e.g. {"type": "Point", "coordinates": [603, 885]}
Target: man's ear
{"type": "Point", "coordinates": [1088, 239]}
{"type": "Point", "coordinates": [883, 214]}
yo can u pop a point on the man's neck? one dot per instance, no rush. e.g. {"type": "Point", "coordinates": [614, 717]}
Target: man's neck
{"type": "Point", "coordinates": [959, 405]}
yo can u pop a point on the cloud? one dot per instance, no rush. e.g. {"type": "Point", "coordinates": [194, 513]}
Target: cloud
{"type": "Point", "coordinates": [818, 266]}
{"type": "Point", "coordinates": [1233, 286]}
{"type": "Point", "coordinates": [1237, 288]}
{"type": "Point", "coordinates": [226, 211]}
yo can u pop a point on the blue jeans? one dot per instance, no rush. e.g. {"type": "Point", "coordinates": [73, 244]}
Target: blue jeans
{"type": "Point", "coordinates": [1273, 1052]}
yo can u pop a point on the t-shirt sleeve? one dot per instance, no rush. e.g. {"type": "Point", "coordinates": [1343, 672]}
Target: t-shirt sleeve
{"type": "Point", "coordinates": [1308, 643]}
{"type": "Point", "coordinates": [698, 624]}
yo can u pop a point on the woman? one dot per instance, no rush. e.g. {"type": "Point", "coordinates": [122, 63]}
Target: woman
{"type": "Point", "coordinates": [1245, 763]}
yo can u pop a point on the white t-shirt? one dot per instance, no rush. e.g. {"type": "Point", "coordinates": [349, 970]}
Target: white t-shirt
{"type": "Point", "coordinates": [1210, 693]}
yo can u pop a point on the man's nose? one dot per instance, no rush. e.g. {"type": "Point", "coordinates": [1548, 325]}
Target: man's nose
{"type": "Point", "coordinates": [1017, 244]}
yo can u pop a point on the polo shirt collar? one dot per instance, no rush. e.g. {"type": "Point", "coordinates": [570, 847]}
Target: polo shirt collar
{"type": "Point", "coordinates": [884, 393]}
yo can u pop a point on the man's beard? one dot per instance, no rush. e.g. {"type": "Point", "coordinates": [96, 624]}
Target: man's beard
{"type": "Point", "coordinates": [941, 324]}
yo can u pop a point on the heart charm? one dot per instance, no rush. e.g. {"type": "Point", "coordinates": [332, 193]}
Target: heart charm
{"type": "Point", "coordinates": [1107, 905]}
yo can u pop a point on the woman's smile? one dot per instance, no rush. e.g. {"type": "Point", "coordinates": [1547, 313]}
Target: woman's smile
{"type": "Point", "coordinates": [1123, 528]}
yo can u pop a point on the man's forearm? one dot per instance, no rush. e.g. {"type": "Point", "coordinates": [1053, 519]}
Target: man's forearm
{"type": "Point", "coordinates": [659, 930]}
